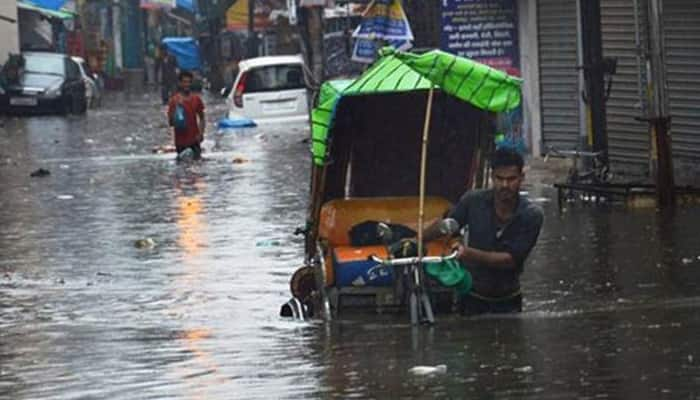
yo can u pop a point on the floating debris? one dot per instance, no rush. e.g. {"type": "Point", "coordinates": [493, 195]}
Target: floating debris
{"type": "Point", "coordinates": [40, 173]}
{"type": "Point", "coordinates": [65, 197]}
{"type": "Point", "coordinates": [423, 370]}
{"type": "Point", "coordinates": [240, 160]}
{"type": "Point", "coordinates": [268, 243]}
{"type": "Point", "coordinates": [525, 370]}
{"type": "Point", "coordinates": [163, 149]}
{"type": "Point", "coordinates": [686, 261]}
{"type": "Point", "coordinates": [146, 243]}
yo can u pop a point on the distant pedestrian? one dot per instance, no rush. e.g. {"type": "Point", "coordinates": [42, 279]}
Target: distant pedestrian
{"type": "Point", "coordinates": [168, 77]}
{"type": "Point", "coordinates": [186, 116]}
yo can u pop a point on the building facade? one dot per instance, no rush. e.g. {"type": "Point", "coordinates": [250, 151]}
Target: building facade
{"type": "Point", "coordinates": [625, 36]}
{"type": "Point", "coordinates": [555, 113]}
{"type": "Point", "coordinates": [9, 31]}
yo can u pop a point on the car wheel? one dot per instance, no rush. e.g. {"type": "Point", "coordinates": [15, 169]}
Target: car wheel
{"type": "Point", "coordinates": [66, 106]}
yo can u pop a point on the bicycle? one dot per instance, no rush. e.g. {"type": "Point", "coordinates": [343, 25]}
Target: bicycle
{"type": "Point", "coordinates": [597, 172]}
{"type": "Point", "coordinates": [589, 179]}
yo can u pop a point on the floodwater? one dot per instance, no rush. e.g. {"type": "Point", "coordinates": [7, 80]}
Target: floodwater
{"type": "Point", "coordinates": [124, 275]}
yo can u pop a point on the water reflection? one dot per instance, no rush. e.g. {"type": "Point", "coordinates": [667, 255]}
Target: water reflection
{"type": "Point", "coordinates": [190, 219]}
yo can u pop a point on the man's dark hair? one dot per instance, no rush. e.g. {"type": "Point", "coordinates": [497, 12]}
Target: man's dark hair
{"type": "Point", "coordinates": [185, 74]}
{"type": "Point", "coordinates": [504, 157]}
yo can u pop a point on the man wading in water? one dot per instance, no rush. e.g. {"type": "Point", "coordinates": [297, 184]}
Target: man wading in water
{"type": "Point", "coordinates": [186, 116]}
{"type": "Point", "coordinates": [503, 228]}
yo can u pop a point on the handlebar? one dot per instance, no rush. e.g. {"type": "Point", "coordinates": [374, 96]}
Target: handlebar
{"type": "Point", "coordinates": [413, 260]}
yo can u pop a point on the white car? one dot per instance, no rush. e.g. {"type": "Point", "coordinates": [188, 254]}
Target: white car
{"type": "Point", "coordinates": [270, 90]}
{"type": "Point", "coordinates": [92, 88]}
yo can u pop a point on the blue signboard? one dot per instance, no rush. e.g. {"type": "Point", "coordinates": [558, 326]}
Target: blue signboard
{"type": "Point", "coordinates": [482, 30]}
{"type": "Point", "coordinates": [383, 23]}
{"type": "Point", "coordinates": [384, 19]}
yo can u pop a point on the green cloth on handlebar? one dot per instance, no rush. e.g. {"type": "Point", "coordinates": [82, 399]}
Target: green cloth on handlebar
{"type": "Point", "coordinates": [450, 273]}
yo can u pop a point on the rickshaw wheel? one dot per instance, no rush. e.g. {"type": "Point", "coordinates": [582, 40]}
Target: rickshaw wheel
{"type": "Point", "coordinates": [303, 283]}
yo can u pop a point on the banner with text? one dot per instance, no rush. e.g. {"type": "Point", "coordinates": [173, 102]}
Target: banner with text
{"type": "Point", "coordinates": [482, 30]}
{"type": "Point", "coordinates": [487, 31]}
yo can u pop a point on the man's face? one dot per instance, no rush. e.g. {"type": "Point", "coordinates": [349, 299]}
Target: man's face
{"type": "Point", "coordinates": [506, 182]}
{"type": "Point", "coordinates": [185, 83]}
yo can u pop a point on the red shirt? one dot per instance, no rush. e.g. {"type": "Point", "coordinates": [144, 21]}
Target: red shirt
{"type": "Point", "coordinates": [193, 107]}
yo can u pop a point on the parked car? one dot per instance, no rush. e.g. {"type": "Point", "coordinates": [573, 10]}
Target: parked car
{"type": "Point", "coordinates": [93, 89]}
{"type": "Point", "coordinates": [269, 90]}
{"type": "Point", "coordinates": [46, 82]}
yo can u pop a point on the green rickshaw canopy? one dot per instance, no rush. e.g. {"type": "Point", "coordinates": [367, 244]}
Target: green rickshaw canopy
{"type": "Point", "coordinates": [475, 83]}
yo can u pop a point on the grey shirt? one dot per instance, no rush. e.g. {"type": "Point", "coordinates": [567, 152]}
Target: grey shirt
{"type": "Point", "coordinates": [517, 237]}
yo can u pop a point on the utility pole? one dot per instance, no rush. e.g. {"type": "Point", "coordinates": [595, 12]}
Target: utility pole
{"type": "Point", "coordinates": [311, 33]}
{"type": "Point", "coordinates": [594, 68]}
{"type": "Point", "coordinates": [660, 121]}
{"type": "Point", "coordinates": [252, 36]}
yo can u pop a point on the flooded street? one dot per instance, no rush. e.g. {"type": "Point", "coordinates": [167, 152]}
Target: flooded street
{"type": "Point", "coordinates": [124, 275]}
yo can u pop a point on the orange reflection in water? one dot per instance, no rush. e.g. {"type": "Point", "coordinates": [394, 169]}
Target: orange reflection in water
{"type": "Point", "coordinates": [191, 225]}
{"type": "Point", "coordinates": [203, 371]}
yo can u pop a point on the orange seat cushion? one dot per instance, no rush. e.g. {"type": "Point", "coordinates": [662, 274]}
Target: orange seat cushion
{"type": "Point", "coordinates": [340, 215]}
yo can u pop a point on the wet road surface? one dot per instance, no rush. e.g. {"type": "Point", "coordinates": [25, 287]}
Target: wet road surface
{"type": "Point", "coordinates": [611, 295]}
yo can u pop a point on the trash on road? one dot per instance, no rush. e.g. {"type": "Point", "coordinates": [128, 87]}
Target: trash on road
{"type": "Point", "coordinates": [146, 243]}
{"type": "Point", "coordinates": [163, 149]}
{"type": "Point", "coordinates": [423, 370]}
{"type": "Point", "coordinates": [40, 173]}
{"type": "Point", "coordinates": [268, 243]}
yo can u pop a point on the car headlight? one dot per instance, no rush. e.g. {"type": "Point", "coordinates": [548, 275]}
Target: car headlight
{"type": "Point", "coordinates": [54, 91]}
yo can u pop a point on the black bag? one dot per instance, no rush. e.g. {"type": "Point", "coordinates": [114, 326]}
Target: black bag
{"type": "Point", "coordinates": [365, 233]}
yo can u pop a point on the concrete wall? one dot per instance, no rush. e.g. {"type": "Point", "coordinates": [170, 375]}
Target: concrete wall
{"type": "Point", "coordinates": [530, 70]}
{"type": "Point", "coordinates": [9, 36]}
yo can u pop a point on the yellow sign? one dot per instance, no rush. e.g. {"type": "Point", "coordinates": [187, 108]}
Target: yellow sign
{"type": "Point", "coordinates": [237, 16]}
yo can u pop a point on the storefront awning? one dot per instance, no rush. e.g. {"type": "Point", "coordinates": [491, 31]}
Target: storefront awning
{"type": "Point", "coordinates": [45, 11]}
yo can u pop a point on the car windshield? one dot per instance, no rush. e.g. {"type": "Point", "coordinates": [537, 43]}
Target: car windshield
{"type": "Point", "coordinates": [44, 65]}
{"type": "Point", "coordinates": [275, 77]}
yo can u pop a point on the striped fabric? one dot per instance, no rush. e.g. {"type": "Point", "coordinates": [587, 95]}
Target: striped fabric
{"type": "Point", "coordinates": [480, 85]}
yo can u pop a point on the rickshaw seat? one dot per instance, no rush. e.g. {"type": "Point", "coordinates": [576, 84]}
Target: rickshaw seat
{"type": "Point", "coordinates": [340, 215]}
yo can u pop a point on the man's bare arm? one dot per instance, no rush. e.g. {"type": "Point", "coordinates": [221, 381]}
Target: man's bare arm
{"type": "Point", "coordinates": [432, 232]}
{"type": "Point", "coordinates": [495, 259]}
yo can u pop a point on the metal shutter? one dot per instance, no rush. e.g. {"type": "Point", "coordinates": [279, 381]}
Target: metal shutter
{"type": "Point", "coordinates": [628, 139]}
{"type": "Point", "coordinates": [559, 79]}
{"type": "Point", "coordinates": [682, 41]}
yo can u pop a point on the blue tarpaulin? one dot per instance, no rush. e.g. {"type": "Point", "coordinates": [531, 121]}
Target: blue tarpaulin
{"type": "Point", "coordinates": [185, 50]}
{"type": "Point", "coordinates": [225, 124]}
{"type": "Point", "coordinates": [189, 5]}
{"type": "Point", "coordinates": [49, 4]}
